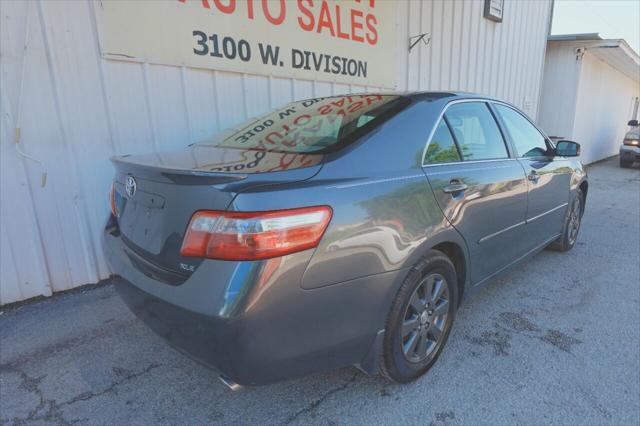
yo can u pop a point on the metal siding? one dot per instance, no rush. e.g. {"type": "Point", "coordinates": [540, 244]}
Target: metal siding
{"type": "Point", "coordinates": [78, 109]}
{"type": "Point", "coordinates": [23, 272]}
{"type": "Point", "coordinates": [470, 53]}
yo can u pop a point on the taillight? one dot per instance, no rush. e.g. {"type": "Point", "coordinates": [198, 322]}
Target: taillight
{"type": "Point", "coordinates": [112, 200]}
{"type": "Point", "coordinates": [632, 142]}
{"type": "Point", "coordinates": [254, 235]}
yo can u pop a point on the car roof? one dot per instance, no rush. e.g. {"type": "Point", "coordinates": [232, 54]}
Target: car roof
{"type": "Point", "coordinates": [426, 95]}
{"type": "Point", "coordinates": [418, 96]}
{"type": "Point", "coordinates": [432, 96]}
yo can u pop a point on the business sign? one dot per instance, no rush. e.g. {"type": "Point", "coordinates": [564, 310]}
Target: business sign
{"type": "Point", "coordinates": [345, 41]}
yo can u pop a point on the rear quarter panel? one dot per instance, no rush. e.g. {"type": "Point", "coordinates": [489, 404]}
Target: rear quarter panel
{"type": "Point", "coordinates": [385, 215]}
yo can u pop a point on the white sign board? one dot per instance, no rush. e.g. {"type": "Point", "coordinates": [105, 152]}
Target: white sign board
{"type": "Point", "coordinates": [345, 41]}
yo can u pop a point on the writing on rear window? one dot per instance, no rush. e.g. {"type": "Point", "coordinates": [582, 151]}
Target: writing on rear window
{"type": "Point", "coordinates": [313, 125]}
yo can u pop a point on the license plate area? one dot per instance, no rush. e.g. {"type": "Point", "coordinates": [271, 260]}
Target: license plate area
{"type": "Point", "coordinates": [142, 218]}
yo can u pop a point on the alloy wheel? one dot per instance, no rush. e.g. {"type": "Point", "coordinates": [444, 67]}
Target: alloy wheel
{"type": "Point", "coordinates": [574, 220]}
{"type": "Point", "coordinates": [425, 318]}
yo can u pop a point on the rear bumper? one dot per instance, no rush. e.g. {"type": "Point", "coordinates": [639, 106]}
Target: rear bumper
{"type": "Point", "coordinates": [197, 335]}
{"type": "Point", "coordinates": [253, 323]}
{"type": "Point", "coordinates": [629, 153]}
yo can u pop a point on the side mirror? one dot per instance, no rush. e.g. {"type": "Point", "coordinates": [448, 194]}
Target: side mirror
{"type": "Point", "coordinates": [633, 123]}
{"type": "Point", "coordinates": [567, 148]}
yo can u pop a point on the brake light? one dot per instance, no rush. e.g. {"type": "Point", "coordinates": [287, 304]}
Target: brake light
{"type": "Point", "coordinates": [112, 200]}
{"type": "Point", "coordinates": [254, 235]}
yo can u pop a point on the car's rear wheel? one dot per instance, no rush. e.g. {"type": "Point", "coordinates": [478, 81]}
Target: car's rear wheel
{"type": "Point", "coordinates": [572, 223]}
{"type": "Point", "coordinates": [420, 319]}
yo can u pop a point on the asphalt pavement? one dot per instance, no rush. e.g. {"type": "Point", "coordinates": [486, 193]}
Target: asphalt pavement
{"type": "Point", "coordinates": [554, 341]}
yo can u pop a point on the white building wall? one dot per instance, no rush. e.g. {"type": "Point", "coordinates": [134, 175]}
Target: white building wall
{"type": "Point", "coordinates": [585, 99]}
{"type": "Point", "coordinates": [75, 110]}
{"type": "Point", "coordinates": [604, 105]}
{"type": "Point", "coordinates": [559, 89]}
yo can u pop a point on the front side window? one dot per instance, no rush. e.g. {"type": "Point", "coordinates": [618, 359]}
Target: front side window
{"type": "Point", "coordinates": [476, 131]}
{"type": "Point", "coordinates": [528, 141]}
{"type": "Point", "coordinates": [442, 148]}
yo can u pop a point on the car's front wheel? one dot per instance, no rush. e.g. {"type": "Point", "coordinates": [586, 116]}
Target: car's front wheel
{"type": "Point", "coordinates": [420, 319]}
{"type": "Point", "coordinates": [572, 223]}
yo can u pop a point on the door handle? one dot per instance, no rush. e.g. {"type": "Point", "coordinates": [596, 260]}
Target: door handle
{"type": "Point", "coordinates": [533, 176]}
{"type": "Point", "coordinates": [455, 186]}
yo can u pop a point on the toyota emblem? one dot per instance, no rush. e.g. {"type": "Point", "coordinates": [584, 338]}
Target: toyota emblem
{"type": "Point", "coordinates": [130, 186]}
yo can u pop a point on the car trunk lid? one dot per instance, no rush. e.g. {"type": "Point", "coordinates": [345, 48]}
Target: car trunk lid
{"type": "Point", "coordinates": [156, 195]}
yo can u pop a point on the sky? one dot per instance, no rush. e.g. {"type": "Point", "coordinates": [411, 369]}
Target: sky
{"type": "Point", "coordinates": [610, 18]}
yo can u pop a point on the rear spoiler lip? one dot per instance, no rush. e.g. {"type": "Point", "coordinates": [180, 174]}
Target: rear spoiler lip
{"type": "Point", "coordinates": [173, 174]}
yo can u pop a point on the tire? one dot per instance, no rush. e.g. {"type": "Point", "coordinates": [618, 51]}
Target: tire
{"type": "Point", "coordinates": [625, 164]}
{"type": "Point", "coordinates": [571, 227]}
{"type": "Point", "coordinates": [400, 363]}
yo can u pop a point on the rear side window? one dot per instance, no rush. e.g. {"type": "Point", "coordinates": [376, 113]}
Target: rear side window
{"type": "Point", "coordinates": [442, 148]}
{"type": "Point", "coordinates": [476, 131]}
{"type": "Point", "coordinates": [528, 141]}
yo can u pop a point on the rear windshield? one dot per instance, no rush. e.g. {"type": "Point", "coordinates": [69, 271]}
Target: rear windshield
{"type": "Point", "coordinates": [312, 126]}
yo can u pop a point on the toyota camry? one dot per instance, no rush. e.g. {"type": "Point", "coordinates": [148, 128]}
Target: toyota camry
{"type": "Point", "coordinates": [337, 231]}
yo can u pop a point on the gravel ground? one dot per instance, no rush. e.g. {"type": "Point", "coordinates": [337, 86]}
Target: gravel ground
{"type": "Point", "coordinates": [555, 341]}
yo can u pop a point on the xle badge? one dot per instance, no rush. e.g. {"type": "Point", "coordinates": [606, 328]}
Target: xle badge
{"type": "Point", "coordinates": [187, 267]}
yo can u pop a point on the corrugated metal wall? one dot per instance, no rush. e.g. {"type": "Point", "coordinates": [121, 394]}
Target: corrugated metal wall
{"type": "Point", "coordinates": [470, 53]}
{"type": "Point", "coordinates": [75, 110]}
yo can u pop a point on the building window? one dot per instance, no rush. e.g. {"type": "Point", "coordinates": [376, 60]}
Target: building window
{"type": "Point", "coordinates": [494, 9]}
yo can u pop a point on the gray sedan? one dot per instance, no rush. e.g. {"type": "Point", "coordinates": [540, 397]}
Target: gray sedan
{"type": "Point", "coordinates": [337, 231]}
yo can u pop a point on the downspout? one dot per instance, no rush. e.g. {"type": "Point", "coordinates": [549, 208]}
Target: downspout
{"type": "Point", "coordinates": [39, 246]}
{"type": "Point", "coordinates": [634, 114]}
{"type": "Point", "coordinates": [550, 22]}
{"type": "Point", "coordinates": [17, 139]}
{"type": "Point", "coordinates": [579, 54]}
